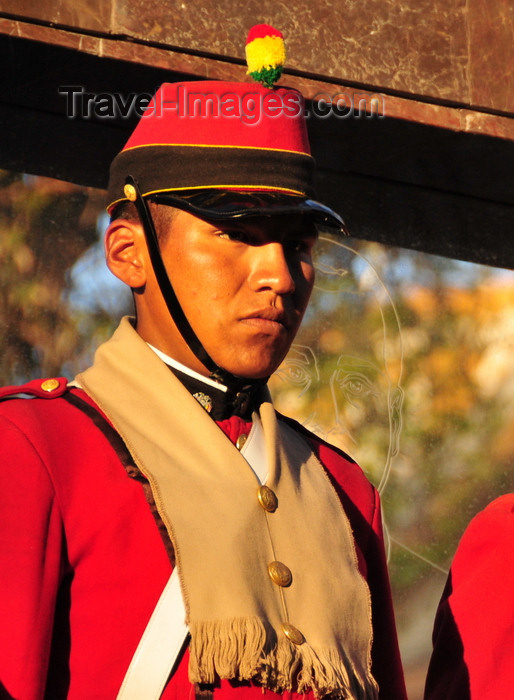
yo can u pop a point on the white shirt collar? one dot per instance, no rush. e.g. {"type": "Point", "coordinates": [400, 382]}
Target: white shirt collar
{"type": "Point", "coordinates": [186, 370]}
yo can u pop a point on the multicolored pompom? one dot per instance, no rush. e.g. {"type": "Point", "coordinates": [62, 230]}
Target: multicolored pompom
{"type": "Point", "coordinates": [265, 54]}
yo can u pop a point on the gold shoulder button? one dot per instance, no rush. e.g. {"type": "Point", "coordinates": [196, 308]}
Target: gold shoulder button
{"type": "Point", "coordinates": [50, 385]}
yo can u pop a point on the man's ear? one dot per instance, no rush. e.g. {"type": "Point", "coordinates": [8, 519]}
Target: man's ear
{"type": "Point", "coordinates": [125, 252]}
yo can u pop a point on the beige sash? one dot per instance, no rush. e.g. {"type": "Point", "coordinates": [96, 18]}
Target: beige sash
{"type": "Point", "coordinates": [225, 541]}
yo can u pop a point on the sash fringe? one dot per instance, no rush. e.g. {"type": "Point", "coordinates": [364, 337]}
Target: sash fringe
{"type": "Point", "coordinates": [236, 649]}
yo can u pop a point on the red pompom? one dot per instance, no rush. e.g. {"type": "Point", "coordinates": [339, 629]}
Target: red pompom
{"type": "Point", "coordinates": [259, 31]}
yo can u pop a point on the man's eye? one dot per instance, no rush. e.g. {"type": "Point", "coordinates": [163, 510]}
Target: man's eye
{"type": "Point", "coordinates": [295, 373]}
{"type": "Point", "coordinates": [354, 385]}
{"type": "Point", "coordinates": [234, 235]}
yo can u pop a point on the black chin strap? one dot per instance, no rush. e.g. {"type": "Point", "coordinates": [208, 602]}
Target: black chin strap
{"type": "Point", "coordinates": [133, 193]}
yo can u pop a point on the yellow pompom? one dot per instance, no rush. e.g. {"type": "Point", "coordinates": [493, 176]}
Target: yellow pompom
{"type": "Point", "coordinates": [268, 52]}
{"type": "Point", "coordinates": [265, 54]}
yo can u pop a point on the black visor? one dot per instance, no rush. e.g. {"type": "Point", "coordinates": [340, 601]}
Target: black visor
{"type": "Point", "coordinates": [227, 204]}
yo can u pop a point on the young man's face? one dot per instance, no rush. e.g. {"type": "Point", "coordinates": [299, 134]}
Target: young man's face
{"type": "Point", "coordinates": [243, 285]}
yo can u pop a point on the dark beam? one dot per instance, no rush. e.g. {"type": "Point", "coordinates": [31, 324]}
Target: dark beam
{"type": "Point", "coordinates": [398, 182]}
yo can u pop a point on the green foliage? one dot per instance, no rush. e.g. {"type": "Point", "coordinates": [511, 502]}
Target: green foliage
{"type": "Point", "coordinates": [45, 226]}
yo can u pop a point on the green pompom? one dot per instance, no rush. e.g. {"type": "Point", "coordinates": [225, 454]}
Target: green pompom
{"type": "Point", "coordinates": [267, 76]}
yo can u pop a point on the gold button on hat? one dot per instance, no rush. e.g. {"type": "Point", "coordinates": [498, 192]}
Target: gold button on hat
{"type": "Point", "coordinates": [267, 498]}
{"type": "Point", "coordinates": [292, 633]}
{"type": "Point", "coordinates": [241, 440]}
{"type": "Point", "coordinates": [50, 384]}
{"type": "Point", "coordinates": [130, 192]}
{"type": "Point", "coordinates": [279, 573]}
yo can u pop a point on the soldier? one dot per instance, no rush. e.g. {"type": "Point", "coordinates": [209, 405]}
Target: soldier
{"type": "Point", "coordinates": [472, 637]}
{"type": "Point", "coordinates": [158, 503]}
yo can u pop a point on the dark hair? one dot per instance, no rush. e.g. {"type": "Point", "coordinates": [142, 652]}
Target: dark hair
{"type": "Point", "coordinates": [162, 216]}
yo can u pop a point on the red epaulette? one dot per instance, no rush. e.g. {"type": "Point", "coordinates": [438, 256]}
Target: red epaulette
{"type": "Point", "coordinates": [42, 388]}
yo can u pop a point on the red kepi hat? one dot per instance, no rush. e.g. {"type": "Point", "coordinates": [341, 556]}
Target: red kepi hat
{"type": "Point", "coordinates": [224, 149]}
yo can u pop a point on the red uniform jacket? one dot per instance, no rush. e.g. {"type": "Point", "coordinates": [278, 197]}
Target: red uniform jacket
{"type": "Point", "coordinates": [83, 563]}
{"type": "Point", "coordinates": [473, 657]}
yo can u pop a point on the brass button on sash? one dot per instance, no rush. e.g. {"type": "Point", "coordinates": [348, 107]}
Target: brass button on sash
{"type": "Point", "coordinates": [267, 498]}
{"type": "Point", "coordinates": [292, 633]}
{"type": "Point", "coordinates": [280, 574]}
{"type": "Point", "coordinates": [241, 440]}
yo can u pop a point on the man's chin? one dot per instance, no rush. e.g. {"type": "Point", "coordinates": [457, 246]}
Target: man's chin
{"type": "Point", "coordinates": [253, 370]}
{"type": "Point", "coordinates": [252, 359]}
{"type": "Point", "coordinates": [252, 374]}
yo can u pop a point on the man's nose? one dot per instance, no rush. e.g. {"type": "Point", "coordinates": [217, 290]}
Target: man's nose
{"type": "Point", "coordinates": [270, 269]}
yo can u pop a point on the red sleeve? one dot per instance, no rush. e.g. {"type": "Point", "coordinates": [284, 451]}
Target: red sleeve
{"type": "Point", "coordinates": [473, 657]}
{"type": "Point", "coordinates": [31, 544]}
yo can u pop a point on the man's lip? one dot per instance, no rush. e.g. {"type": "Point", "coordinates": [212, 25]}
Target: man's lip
{"type": "Point", "coordinates": [269, 314]}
